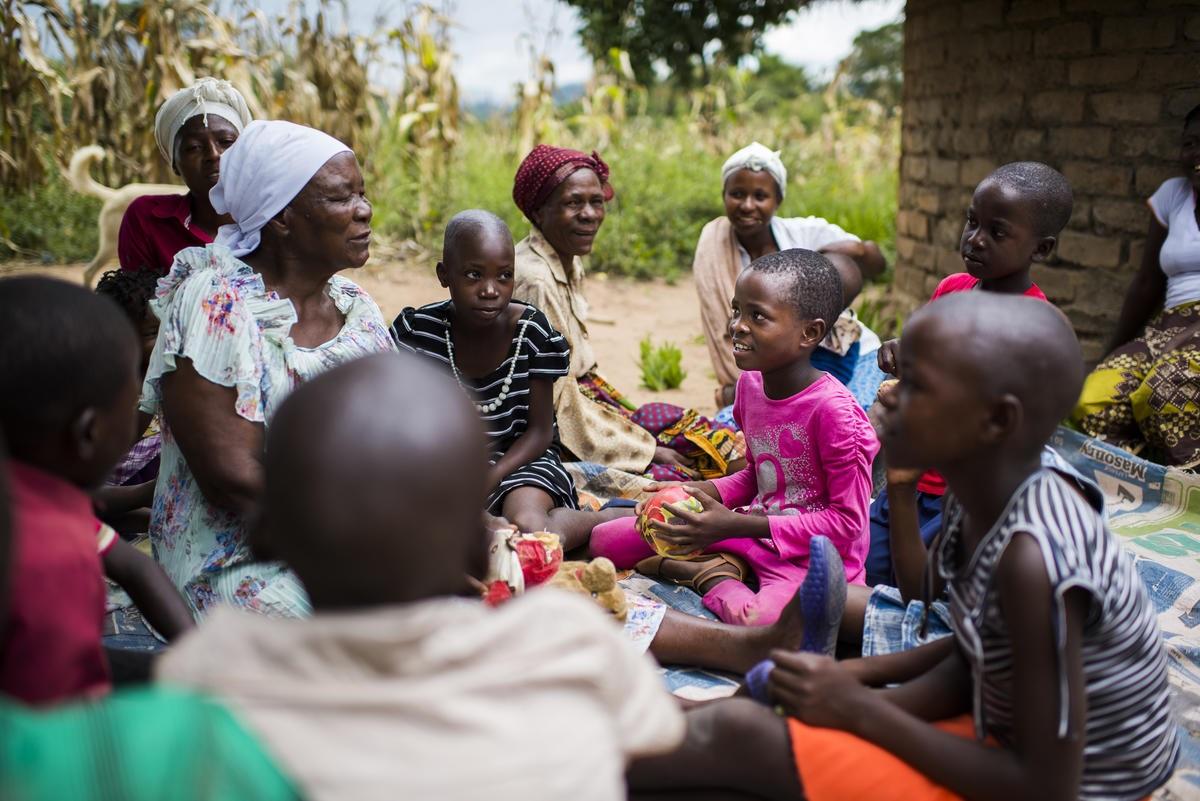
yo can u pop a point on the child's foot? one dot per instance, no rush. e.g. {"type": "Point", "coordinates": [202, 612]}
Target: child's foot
{"type": "Point", "coordinates": [822, 597]}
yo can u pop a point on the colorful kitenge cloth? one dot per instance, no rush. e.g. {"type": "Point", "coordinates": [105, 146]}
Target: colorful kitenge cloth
{"type": "Point", "coordinates": [216, 312]}
{"type": "Point", "coordinates": [710, 447]}
{"type": "Point", "coordinates": [1145, 396]}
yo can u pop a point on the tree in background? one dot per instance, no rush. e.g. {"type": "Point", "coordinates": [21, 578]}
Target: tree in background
{"type": "Point", "coordinates": [874, 68]}
{"type": "Point", "coordinates": [685, 35]}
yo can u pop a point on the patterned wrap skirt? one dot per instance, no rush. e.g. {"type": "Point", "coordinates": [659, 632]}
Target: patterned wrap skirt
{"type": "Point", "coordinates": [1145, 396]}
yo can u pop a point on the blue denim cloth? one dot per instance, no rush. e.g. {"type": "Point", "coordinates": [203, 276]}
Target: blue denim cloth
{"type": "Point", "coordinates": [891, 626]}
{"type": "Point", "coordinates": [879, 557]}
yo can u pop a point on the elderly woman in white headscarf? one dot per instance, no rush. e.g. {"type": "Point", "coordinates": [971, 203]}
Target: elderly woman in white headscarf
{"type": "Point", "coordinates": [244, 321]}
{"type": "Point", "coordinates": [193, 128]}
{"type": "Point", "coordinates": [754, 184]}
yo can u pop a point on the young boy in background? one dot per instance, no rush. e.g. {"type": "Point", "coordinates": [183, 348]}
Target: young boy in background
{"type": "Point", "coordinates": [70, 359]}
{"type": "Point", "coordinates": [1013, 222]}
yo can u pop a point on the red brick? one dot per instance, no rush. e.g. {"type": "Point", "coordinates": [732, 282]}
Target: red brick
{"type": "Point", "coordinates": [1065, 39]}
{"type": "Point", "coordinates": [905, 247]}
{"type": "Point", "coordinates": [1169, 69]}
{"type": "Point", "coordinates": [948, 230]}
{"type": "Point", "coordinates": [1151, 176]}
{"type": "Point", "coordinates": [943, 172]}
{"type": "Point", "coordinates": [1143, 107]}
{"type": "Point", "coordinates": [1081, 215]}
{"type": "Point", "coordinates": [1032, 10]}
{"type": "Point", "coordinates": [1137, 249]}
{"type": "Point", "coordinates": [1088, 250]}
{"type": "Point", "coordinates": [982, 14]}
{"type": "Point", "coordinates": [974, 170]}
{"type": "Point", "coordinates": [1121, 215]}
{"type": "Point", "coordinates": [916, 140]}
{"type": "Point", "coordinates": [999, 107]}
{"type": "Point", "coordinates": [1181, 102]}
{"type": "Point", "coordinates": [1057, 107]}
{"type": "Point", "coordinates": [913, 224]}
{"type": "Point", "coordinates": [1103, 70]}
{"type": "Point", "coordinates": [1027, 141]}
{"type": "Point", "coordinates": [914, 168]}
{"type": "Point", "coordinates": [1103, 7]}
{"type": "Point", "coordinates": [1058, 283]}
{"type": "Point", "coordinates": [928, 201]}
{"type": "Point", "coordinates": [1161, 141]}
{"type": "Point", "coordinates": [971, 141]}
{"type": "Point", "coordinates": [1102, 179]}
{"type": "Point", "coordinates": [1092, 143]}
{"type": "Point", "coordinates": [949, 261]}
{"type": "Point", "coordinates": [1137, 33]}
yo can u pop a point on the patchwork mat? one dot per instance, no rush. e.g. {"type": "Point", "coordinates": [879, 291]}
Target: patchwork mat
{"type": "Point", "coordinates": [1156, 512]}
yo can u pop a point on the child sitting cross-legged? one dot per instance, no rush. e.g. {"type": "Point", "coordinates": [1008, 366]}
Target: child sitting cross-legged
{"type": "Point", "coordinates": [71, 359]}
{"type": "Point", "coordinates": [809, 452]}
{"type": "Point", "coordinates": [401, 685]}
{"type": "Point", "coordinates": [1057, 688]}
{"type": "Point", "coordinates": [1013, 222]}
{"type": "Point", "coordinates": [507, 357]}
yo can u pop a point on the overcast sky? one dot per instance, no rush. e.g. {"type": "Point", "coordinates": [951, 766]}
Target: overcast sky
{"type": "Point", "coordinates": [492, 38]}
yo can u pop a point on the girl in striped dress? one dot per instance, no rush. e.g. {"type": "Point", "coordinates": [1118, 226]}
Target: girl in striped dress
{"type": "Point", "coordinates": [507, 356]}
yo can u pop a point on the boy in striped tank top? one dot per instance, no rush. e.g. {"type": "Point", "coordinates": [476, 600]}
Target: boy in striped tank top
{"type": "Point", "coordinates": [1057, 687]}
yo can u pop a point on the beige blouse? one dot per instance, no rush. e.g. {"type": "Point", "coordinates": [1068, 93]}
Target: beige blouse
{"type": "Point", "coordinates": [592, 431]}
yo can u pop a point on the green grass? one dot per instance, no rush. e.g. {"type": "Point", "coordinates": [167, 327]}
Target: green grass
{"type": "Point", "coordinates": [51, 224]}
{"type": "Point", "coordinates": [662, 366]}
{"type": "Point", "coordinates": [665, 172]}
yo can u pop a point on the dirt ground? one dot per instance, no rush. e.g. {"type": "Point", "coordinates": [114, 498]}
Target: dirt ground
{"type": "Point", "coordinates": [663, 311]}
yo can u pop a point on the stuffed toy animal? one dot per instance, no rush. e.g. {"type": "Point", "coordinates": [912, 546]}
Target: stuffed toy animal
{"type": "Point", "coordinates": [517, 562]}
{"type": "Point", "coordinates": [596, 579]}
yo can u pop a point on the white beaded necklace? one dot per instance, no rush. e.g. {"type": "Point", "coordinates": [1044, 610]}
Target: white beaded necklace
{"type": "Point", "coordinates": [488, 408]}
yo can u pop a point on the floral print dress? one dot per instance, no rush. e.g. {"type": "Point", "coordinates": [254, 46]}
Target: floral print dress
{"type": "Point", "coordinates": [216, 312]}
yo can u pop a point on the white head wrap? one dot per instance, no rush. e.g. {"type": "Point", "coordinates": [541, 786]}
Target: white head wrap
{"type": "Point", "coordinates": [262, 172]}
{"type": "Point", "coordinates": [206, 96]}
{"type": "Point", "coordinates": [757, 157]}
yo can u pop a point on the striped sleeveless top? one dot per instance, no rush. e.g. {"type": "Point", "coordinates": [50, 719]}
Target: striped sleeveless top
{"type": "Point", "coordinates": [1131, 744]}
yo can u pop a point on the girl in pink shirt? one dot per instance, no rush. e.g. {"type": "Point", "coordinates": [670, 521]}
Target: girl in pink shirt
{"type": "Point", "coordinates": [809, 452]}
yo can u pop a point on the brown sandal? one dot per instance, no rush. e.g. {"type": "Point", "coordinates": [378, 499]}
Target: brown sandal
{"type": "Point", "coordinates": [720, 565]}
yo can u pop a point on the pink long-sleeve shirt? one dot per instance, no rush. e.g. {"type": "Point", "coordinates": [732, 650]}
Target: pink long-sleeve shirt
{"type": "Point", "coordinates": [808, 468]}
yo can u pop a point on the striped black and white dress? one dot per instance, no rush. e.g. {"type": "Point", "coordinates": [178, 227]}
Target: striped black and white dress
{"type": "Point", "coordinates": [1131, 745]}
{"type": "Point", "coordinates": [544, 354]}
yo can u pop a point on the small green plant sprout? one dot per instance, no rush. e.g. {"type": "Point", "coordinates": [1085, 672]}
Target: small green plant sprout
{"type": "Point", "coordinates": [662, 366]}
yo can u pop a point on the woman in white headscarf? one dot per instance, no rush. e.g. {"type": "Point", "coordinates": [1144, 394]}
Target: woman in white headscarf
{"type": "Point", "coordinates": [244, 321]}
{"type": "Point", "coordinates": [754, 183]}
{"type": "Point", "coordinates": [192, 128]}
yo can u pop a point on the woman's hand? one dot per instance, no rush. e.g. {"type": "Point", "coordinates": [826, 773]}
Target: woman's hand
{"type": "Point", "coordinates": [664, 455]}
{"type": "Point", "coordinates": [816, 690]}
{"type": "Point", "coordinates": [889, 357]}
{"type": "Point", "coordinates": [696, 531]}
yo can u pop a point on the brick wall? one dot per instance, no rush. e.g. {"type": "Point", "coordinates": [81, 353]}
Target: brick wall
{"type": "Point", "coordinates": [1095, 88]}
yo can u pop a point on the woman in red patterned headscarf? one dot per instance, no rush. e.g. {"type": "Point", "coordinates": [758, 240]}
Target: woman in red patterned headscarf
{"type": "Point", "coordinates": [563, 194]}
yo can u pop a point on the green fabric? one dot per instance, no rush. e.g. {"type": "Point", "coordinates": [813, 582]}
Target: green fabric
{"type": "Point", "coordinates": [143, 744]}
